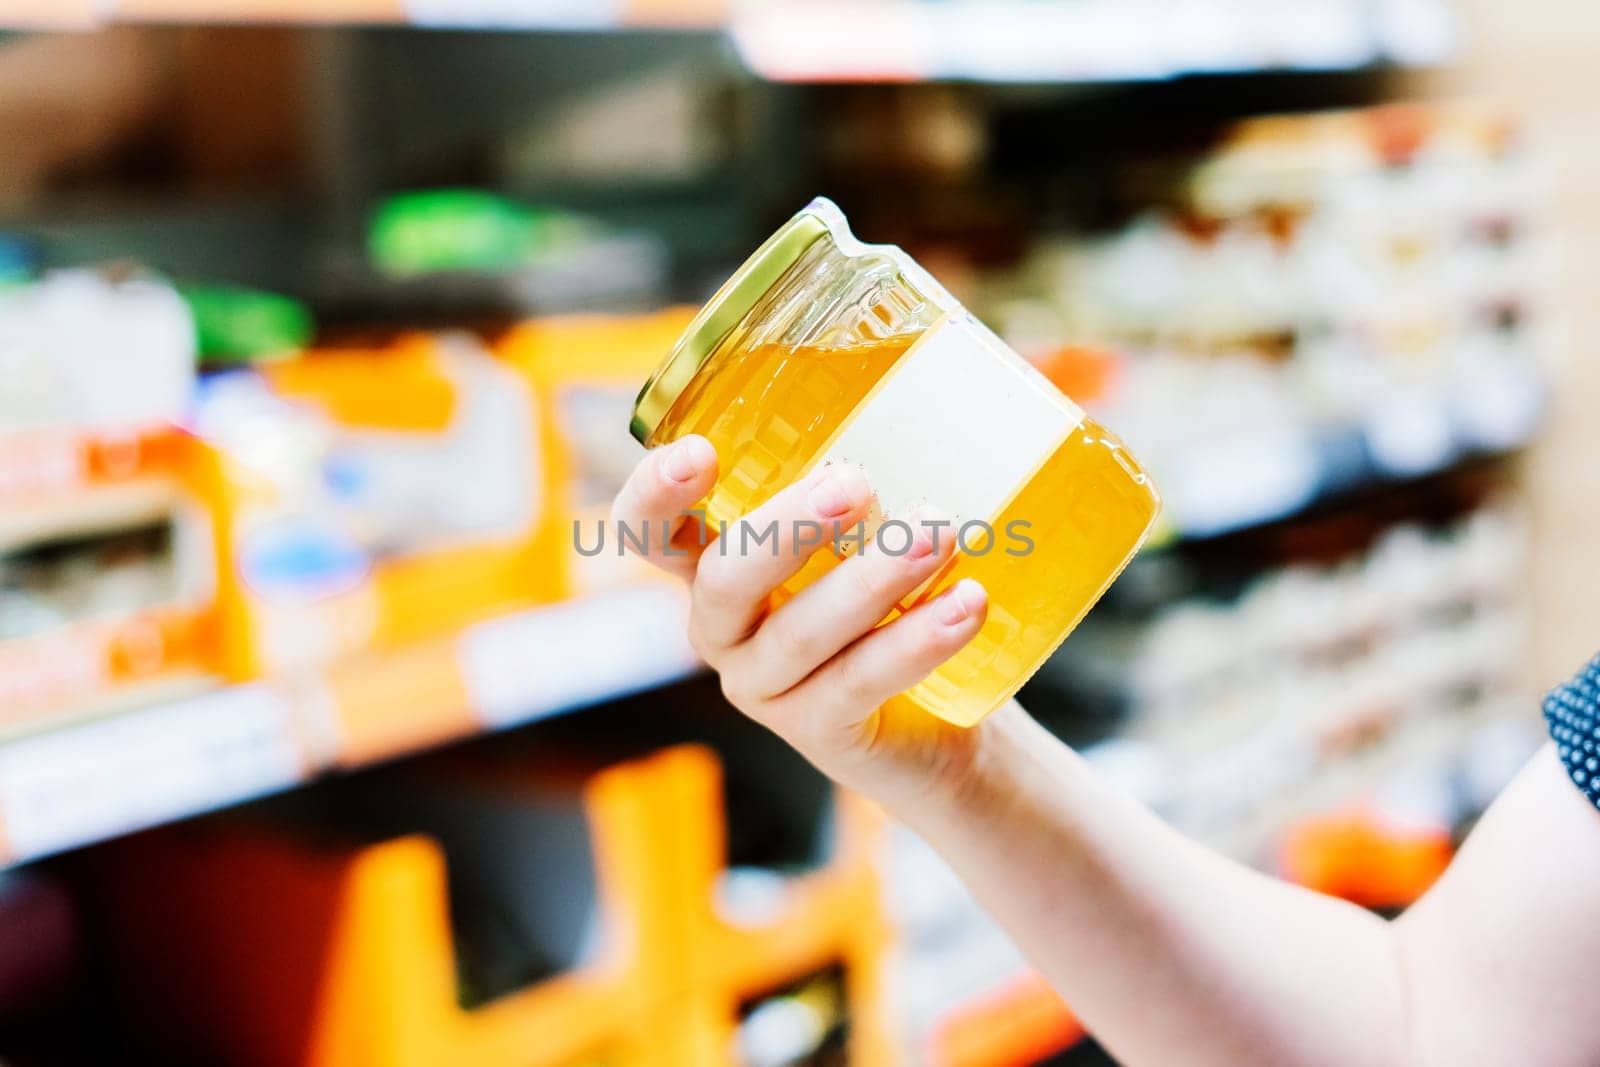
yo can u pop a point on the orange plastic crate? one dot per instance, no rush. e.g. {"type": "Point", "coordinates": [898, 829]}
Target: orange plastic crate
{"type": "Point", "coordinates": [270, 951]}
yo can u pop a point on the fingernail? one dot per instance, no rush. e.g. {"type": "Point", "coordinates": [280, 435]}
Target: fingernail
{"type": "Point", "coordinates": [927, 533]}
{"type": "Point", "coordinates": [962, 601]}
{"type": "Point", "coordinates": [687, 458]}
{"type": "Point", "coordinates": [842, 489]}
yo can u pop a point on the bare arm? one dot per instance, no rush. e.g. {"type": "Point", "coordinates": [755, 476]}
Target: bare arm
{"type": "Point", "coordinates": [1503, 955]}
{"type": "Point", "coordinates": [1170, 954]}
{"type": "Point", "coordinates": [1173, 955]}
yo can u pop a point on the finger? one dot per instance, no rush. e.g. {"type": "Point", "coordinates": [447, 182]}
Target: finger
{"type": "Point", "coordinates": [767, 547]}
{"type": "Point", "coordinates": [832, 612]}
{"type": "Point", "coordinates": [888, 661]}
{"type": "Point", "coordinates": [666, 483]}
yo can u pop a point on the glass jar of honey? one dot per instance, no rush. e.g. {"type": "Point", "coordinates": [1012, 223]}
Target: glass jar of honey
{"type": "Point", "coordinates": [822, 348]}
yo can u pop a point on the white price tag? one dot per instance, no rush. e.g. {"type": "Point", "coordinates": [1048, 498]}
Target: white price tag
{"type": "Point", "coordinates": [1024, 41]}
{"type": "Point", "coordinates": [99, 779]}
{"type": "Point", "coordinates": [1221, 485]}
{"type": "Point", "coordinates": [1419, 32]}
{"type": "Point", "coordinates": [829, 39]}
{"type": "Point", "coordinates": [35, 463]}
{"type": "Point", "coordinates": [1313, 34]}
{"type": "Point", "coordinates": [1203, 35]}
{"type": "Point", "coordinates": [1409, 432]}
{"type": "Point", "coordinates": [540, 662]}
{"type": "Point", "coordinates": [1499, 404]}
{"type": "Point", "coordinates": [515, 14]}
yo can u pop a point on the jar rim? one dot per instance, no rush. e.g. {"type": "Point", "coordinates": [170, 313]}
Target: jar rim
{"type": "Point", "coordinates": [728, 307]}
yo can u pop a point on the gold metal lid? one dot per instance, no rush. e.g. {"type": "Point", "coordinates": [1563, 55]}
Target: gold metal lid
{"type": "Point", "coordinates": [726, 310]}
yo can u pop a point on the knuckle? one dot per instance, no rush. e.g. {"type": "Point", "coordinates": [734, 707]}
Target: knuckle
{"type": "Point", "coordinates": [735, 691]}
{"type": "Point", "coordinates": [871, 581]}
{"type": "Point", "coordinates": [854, 680]}
{"type": "Point", "coordinates": [717, 579]}
{"type": "Point", "coordinates": [792, 643]}
{"type": "Point", "coordinates": [775, 714]}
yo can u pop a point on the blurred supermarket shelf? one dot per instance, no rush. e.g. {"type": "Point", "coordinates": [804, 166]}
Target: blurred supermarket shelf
{"type": "Point", "coordinates": [94, 781]}
{"type": "Point", "coordinates": [605, 273]}
{"type": "Point", "coordinates": [98, 779]}
{"type": "Point", "coordinates": [89, 780]}
{"type": "Point", "coordinates": [130, 504]}
{"type": "Point", "coordinates": [245, 548]}
{"type": "Point", "coordinates": [1230, 485]}
{"type": "Point", "coordinates": [472, 14]}
{"type": "Point", "coordinates": [1316, 305]}
{"type": "Point", "coordinates": [1085, 41]}
{"type": "Point", "coordinates": [295, 536]}
{"type": "Point", "coordinates": [901, 40]}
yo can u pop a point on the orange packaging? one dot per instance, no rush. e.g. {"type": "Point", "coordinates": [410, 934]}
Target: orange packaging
{"type": "Point", "coordinates": [586, 370]}
{"type": "Point", "coordinates": [1354, 856]}
{"type": "Point", "coordinates": [109, 590]}
{"type": "Point", "coordinates": [375, 497]}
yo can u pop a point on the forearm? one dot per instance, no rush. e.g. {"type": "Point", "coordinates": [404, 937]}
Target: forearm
{"type": "Point", "coordinates": [1169, 953]}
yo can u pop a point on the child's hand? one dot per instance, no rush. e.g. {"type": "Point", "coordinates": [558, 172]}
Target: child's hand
{"type": "Point", "coordinates": [816, 671]}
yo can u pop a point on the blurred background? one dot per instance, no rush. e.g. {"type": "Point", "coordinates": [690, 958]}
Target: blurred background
{"type": "Point", "coordinates": [320, 322]}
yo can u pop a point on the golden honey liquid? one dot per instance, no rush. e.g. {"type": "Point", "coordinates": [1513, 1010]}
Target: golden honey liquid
{"type": "Point", "coordinates": [771, 411]}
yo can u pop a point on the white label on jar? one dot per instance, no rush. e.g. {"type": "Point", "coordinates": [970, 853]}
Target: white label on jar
{"type": "Point", "coordinates": [961, 422]}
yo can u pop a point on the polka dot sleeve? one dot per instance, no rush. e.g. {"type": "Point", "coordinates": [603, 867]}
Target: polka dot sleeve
{"type": "Point", "coordinates": [1572, 712]}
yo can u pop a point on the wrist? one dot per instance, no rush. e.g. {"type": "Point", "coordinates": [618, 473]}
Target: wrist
{"type": "Point", "coordinates": [1007, 743]}
{"type": "Point", "coordinates": [969, 773]}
